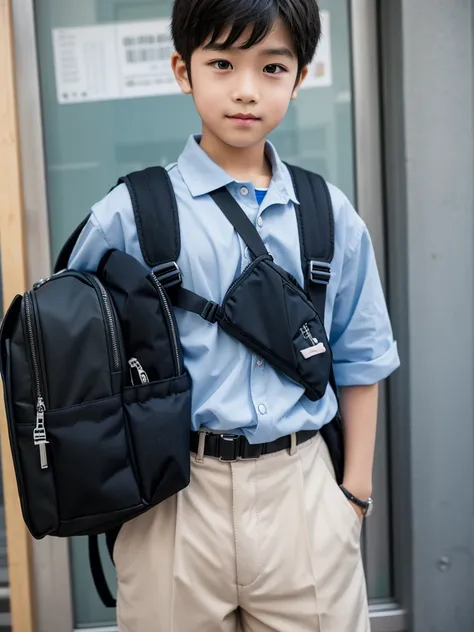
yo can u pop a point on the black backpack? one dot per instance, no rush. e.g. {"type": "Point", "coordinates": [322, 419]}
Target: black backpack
{"type": "Point", "coordinates": [97, 397]}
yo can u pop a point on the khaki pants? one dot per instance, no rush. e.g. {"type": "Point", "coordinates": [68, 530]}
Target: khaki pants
{"type": "Point", "coordinates": [270, 545]}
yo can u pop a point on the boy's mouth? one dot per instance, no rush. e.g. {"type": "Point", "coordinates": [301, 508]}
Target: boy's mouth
{"type": "Point", "coordinates": [244, 119]}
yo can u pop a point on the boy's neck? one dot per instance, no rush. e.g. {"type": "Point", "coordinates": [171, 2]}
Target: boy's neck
{"type": "Point", "coordinates": [248, 164]}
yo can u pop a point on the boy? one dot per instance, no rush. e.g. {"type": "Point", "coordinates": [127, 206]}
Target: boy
{"type": "Point", "coordinates": [270, 544]}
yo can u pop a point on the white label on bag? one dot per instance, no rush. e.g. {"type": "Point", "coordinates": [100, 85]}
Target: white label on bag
{"type": "Point", "coordinates": [312, 351]}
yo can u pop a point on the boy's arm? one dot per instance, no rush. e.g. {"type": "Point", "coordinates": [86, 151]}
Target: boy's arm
{"type": "Point", "coordinates": [364, 352]}
{"type": "Point", "coordinates": [359, 415]}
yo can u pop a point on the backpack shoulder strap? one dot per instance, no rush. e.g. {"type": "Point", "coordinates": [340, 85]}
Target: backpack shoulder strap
{"type": "Point", "coordinates": [156, 215]}
{"type": "Point", "coordinates": [316, 229]}
{"type": "Point", "coordinates": [156, 218]}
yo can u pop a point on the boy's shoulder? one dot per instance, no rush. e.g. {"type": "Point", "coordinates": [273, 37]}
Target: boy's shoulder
{"type": "Point", "coordinates": [349, 227]}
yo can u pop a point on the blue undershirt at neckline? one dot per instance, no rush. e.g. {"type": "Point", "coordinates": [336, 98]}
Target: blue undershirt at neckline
{"type": "Point", "coordinates": [260, 195]}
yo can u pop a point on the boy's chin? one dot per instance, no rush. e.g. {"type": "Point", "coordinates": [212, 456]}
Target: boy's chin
{"type": "Point", "coordinates": [241, 139]}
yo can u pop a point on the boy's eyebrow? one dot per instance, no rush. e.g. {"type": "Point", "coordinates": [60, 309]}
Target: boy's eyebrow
{"type": "Point", "coordinates": [282, 51]}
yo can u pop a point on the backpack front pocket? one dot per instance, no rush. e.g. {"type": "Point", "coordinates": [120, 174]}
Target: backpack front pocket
{"type": "Point", "coordinates": [87, 476]}
{"type": "Point", "coordinates": [158, 417]}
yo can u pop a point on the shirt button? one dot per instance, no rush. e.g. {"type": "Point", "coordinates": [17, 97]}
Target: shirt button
{"type": "Point", "coordinates": [244, 190]}
{"type": "Point", "coordinates": [260, 362]}
{"type": "Point", "coordinates": [260, 221]}
{"type": "Point", "coordinates": [262, 409]}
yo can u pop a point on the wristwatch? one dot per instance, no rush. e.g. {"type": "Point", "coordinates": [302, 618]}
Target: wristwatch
{"type": "Point", "coordinates": [365, 505]}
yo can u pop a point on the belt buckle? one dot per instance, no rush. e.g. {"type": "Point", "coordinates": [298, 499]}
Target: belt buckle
{"type": "Point", "coordinates": [231, 441]}
{"type": "Point", "coordinates": [235, 451]}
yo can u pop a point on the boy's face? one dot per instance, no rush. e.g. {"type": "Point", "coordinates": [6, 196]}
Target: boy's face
{"type": "Point", "coordinates": [256, 84]}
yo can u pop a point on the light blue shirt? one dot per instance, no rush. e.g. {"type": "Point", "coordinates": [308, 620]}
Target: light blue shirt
{"type": "Point", "coordinates": [234, 389]}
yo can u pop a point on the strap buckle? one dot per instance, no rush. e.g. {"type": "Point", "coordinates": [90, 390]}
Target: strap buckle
{"type": "Point", "coordinates": [210, 311]}
{"type": "Point", "coordinates": [168, 274]}
{"type": "Point", "coordinates": [319, 272]}
{"type": "Point", "coordinates": [233, 448]}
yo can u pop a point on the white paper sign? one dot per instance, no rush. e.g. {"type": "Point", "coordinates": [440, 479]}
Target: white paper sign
{"type": "Point", "coordinates": [113, 61]}
{"type": "Point", "coordinates": [320, 69]}
{"type": "Point", "coordinates": [132, 59]}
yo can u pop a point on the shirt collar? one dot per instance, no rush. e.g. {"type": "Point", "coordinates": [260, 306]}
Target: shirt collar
{"type": "Point", "coordinates": [202, 175]}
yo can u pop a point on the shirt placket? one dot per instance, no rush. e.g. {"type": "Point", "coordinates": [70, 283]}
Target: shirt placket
{"type": "Point", "coordinates": [258, 369]}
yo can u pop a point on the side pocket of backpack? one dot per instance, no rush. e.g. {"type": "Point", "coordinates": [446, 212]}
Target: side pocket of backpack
{"type": "Point", "coordinates": [158, 415]}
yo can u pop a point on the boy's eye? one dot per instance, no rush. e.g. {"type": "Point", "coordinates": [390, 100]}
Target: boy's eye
{"type": "Point", "coordinates": [222, 64]}
{"type": "Point", "coordinates": [274, 69]}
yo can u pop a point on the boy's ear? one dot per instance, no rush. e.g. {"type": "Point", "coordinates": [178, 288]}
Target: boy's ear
{"type": "Point", "coordinates": [303, 75]}
{"type": "Point", "coordinates": [180, 71]}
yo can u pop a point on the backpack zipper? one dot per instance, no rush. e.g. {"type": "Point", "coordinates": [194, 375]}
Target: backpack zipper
{"type": "Point", "coordinates": [110, 319]}
{"type": "Point", "coordinates": [39, 432]}
{"type": "Point", "coordinates": [135, 364]}
{"type": "Point", "coordinates": [164, 301]}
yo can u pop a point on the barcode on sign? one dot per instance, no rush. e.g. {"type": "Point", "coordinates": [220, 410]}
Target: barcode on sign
{"type": "Point", "coordinates": [147, 48]}
{"type": "Point", "coordinates": [140, 55]}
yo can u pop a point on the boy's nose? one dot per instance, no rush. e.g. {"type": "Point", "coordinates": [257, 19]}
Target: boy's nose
{"type": "Point", "coordinates": [246, 90]}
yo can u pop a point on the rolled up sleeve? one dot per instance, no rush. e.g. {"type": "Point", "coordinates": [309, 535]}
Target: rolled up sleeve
{"type": "Point", "coordinates": [361, 334]}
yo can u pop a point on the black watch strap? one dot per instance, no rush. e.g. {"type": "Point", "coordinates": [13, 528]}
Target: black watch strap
{"type": "Point", "coordinates": [366, 505]}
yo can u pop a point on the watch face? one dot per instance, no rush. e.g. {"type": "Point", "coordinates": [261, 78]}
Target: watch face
{"type": "Point", "coordinates": [370, 507]}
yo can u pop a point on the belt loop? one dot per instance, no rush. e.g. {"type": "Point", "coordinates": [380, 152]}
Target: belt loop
{"type": "Point", "coordinates": [201, 446]}
{"type": "Point", "coordinates": [293, 444]}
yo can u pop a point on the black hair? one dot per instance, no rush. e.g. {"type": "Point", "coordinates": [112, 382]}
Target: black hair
{"type": "Point", "coordinates": [196, 21]}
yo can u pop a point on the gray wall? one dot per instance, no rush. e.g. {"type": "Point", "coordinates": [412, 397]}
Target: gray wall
{"type": "Point", "coordinates": [428, 73]}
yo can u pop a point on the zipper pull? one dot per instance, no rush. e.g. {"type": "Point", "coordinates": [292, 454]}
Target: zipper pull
{"type": "Point", "coordinates": [307, 335]}
{"type": "Point", "coordinates": [39, 433]}
{"type": "Point", "coordinates": [135, 364]}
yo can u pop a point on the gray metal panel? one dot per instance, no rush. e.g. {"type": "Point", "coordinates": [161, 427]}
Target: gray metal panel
{"type": "Point", "coordinates": [396, 221]}
{"type": "Point", "coordinates": [368, 148]}
{"type": "Point", "coordinates": [430, 182]}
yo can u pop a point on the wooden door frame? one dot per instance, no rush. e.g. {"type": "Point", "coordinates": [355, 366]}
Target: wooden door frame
{"type": "Point", "coordinates": [14, 280]}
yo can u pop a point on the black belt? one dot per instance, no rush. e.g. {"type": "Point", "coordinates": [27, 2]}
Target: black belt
{"type": "Point", "coordinates": [231, 447]}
